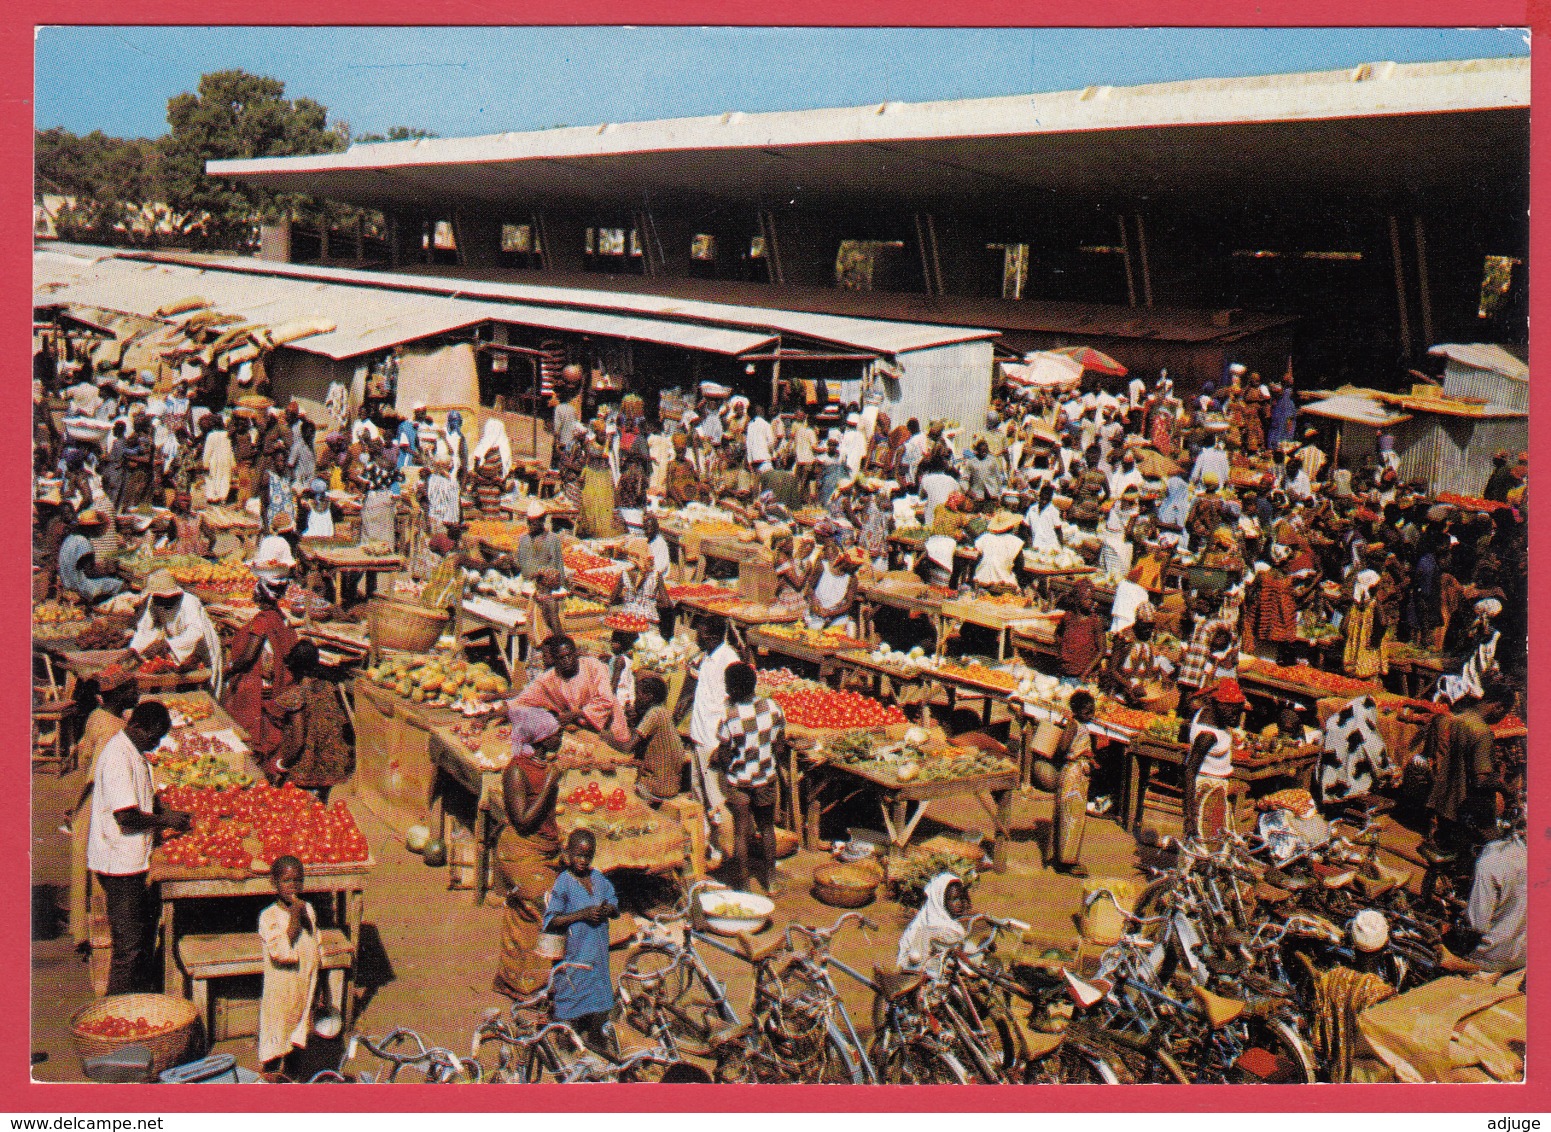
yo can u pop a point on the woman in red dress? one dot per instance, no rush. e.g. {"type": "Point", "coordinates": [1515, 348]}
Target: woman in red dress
{"type": "Point", "coordinates": [257, 675]}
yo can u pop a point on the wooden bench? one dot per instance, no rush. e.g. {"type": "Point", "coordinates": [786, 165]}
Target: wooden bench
{"type": "Point", "coordinates": [229, 955]}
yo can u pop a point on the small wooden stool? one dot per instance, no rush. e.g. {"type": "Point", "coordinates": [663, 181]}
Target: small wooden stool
{"type": "Point", "coordinates": [205, 957]}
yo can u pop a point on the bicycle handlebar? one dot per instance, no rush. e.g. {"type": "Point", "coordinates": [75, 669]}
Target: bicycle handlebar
{"type": "Point", "coordinates": [824, 935]}
{"type": "Point", "coordinates": [538, 998]}
{"type": "Point", "coordinates": [1130, 917]}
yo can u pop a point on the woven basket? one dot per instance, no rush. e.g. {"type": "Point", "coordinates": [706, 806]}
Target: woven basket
{"type": "Point", "coordinates": [849, 885]}
{"type": "Point", "coordinates": [167, 1046]}
{"type": "Point", "coordinates": [405, 626]}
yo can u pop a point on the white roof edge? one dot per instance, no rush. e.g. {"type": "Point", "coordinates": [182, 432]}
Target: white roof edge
{"type": "Point", "coordinates": [1369, 90]}
{"type": "Point", "coordinates": [1483, 355]}
{"type": "Point", "coordinates": [882, 336]}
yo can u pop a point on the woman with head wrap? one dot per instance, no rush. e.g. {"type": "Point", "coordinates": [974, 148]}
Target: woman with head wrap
{"type": "Point", "coordinates": [598, 518]}
{"type": "Point", "coordinates": [1209, 765]}
{"type": "Point", "coordinates": [494, 439]}
{"type": "Point", "coordinates": [1482, 642]}
{"type": "Point", "coordinates": [528, 852]}
{"type": "Point", "coordinates": [938, 921]}
{"type": "Point", "coordinates": [453, 446]}
{"type": "Point", "coordinates": [256, 675]}
{"type": "Point", "coordinates": [1364, 654]}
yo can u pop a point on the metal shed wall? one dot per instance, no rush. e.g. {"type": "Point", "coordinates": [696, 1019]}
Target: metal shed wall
{"type": "Point", "coordinates": [947, 383]}
{"type": "Point", "coordinates": [1460, 380]}
{"type": "Point", "coordinates": [1455, 453]}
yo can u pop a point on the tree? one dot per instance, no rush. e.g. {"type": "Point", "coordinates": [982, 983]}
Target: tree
{"type": "Point", "coordinates": [110, 180]}
{"type": "Point", "coordinates": [236, 115]}
{"type": "Point", "coordinates": [397, 133]}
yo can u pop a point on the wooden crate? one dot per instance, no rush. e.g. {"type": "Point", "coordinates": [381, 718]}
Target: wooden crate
{"type": "Point", "coordinates": [393, 771]}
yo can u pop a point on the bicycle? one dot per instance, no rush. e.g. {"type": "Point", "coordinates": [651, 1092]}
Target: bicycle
{"type": "Point", "coordinates": [525, 1018]}
{"type": "Point", "coordinates": [792, 1033]}
{"type": "Point", "coordinates": [432, 1065]}
{"type": "Point", "coordinates": [666, 988]}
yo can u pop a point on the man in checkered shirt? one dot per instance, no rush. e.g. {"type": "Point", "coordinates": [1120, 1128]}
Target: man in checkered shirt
{"type": "Point", "coordinates": [751, 737]}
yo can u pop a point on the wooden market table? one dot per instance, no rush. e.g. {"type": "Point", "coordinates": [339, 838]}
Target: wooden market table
{"type": "Point", "coordinates": [823, 657]}
{"type": "Point", "coordinates": [80, 664]}
{"type": "Point", "coordinates": [895, 798]}
{"type": "Point", "coordinates": [507, 623]}
{"type": "Point", "coordinates": [343, 884]}
{"type": "Point", "coordinates": [334, 562]}
{"type": "Point", "coordinates": [740, 611]}
{"type": "Point", "coordinates": [1256, 679]}
{"type": "Point", "coordinates": [1146, 752]}
{"type": "Point", "coordinates": [1001, 618]}
{"type": "Point", "coordinates": [923, 602]}
{"type": "Point", "coordinates": [988, 693]}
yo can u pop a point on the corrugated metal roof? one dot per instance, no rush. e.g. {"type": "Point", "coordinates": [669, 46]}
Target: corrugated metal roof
{"type": "Point", "coordinates": [1437, 405]}
{"type": "Point", "coordinates": [865, 334]}
{"type": "Point", "coordinates": [1483, 355]}
{"type": "Point", "coordinates": [366, 319]}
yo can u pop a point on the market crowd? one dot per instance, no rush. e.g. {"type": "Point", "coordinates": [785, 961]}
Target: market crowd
{"type": "Point", "coordinates": [1222, 523]}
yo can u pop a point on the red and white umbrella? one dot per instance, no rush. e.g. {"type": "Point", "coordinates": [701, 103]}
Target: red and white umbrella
{"type": "Point", "coordinates": [1089, 358]}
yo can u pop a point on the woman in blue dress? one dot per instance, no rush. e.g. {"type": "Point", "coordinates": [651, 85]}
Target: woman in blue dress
{"type": "Point", "coordinates": [581, 905]}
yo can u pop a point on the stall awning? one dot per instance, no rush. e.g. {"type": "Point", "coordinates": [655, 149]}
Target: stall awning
{"type": "Point", "coordinates": [366, 318]}
{"type": "Point", "coordinates": [1355, 410]}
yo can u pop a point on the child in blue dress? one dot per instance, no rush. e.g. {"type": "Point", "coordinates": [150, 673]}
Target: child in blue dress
{"type": "Point", "coordinates": [581, 905]}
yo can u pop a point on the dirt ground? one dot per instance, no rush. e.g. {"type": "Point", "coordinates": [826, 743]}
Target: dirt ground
{"type": "Point", "coordinates": [428, 954]}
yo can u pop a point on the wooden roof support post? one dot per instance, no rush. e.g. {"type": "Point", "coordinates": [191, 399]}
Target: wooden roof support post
{"type": "Point", "coordinates": [1424, 292]}
{"type": "Point", "coordinates": [1400, 286]}
{"type": "Point", "coordinates": [1125, 251]}
{"type": "Point", "coordinates": [1141, 247]}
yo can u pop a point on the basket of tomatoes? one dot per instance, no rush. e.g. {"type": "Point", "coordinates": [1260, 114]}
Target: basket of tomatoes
{"type": "Point", "coordinates": [160, 1022]}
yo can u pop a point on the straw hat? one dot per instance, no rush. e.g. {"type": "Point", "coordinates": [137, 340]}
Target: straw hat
{"type": "Point", "coordinates": [89, 518]}
{"type": "Point", "coordinates": [536, 510]}
{"type": "Point", "coordinates": [1002, 522]}
{"type": "Point", "coordinates": [162, 584]}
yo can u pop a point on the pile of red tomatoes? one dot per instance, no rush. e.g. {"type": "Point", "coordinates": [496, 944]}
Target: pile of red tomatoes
{"type": "Point", "coordinates": [280, 820]}
{"type": "Point", "coordinates": [840, 711]}
{"type": "Point", "coordinates": [591, 797]}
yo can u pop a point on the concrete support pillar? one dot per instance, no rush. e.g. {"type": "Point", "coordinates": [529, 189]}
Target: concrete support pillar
{"type": "Point", "coordinates": [478, 236]}
{"type": "Point", "coordinates": [404, 232]}
{"type": "Point", "coordinates": [275, 242]}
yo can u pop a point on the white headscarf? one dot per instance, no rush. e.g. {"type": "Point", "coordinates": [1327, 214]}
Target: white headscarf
{"type": "Point", "coordinates": [1366, 580]}
{"type": "Point", "coordinates": [932, 924]}
{"type": "Point", "coordinates": [495, 437]}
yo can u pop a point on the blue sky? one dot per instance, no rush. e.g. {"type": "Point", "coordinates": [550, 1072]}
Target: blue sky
{"type": "Point", "coordinates": [460, 81]}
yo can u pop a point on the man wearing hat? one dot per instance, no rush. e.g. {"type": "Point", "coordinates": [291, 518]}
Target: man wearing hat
{"type": "Point", "coordinates": [538, 550]}
{"type": "Point", "coordinates": [174, 625]}
{"type": "Point", "coordinates": [1000, 548]}
{"type": "Point", "coordinates": [78, 561]}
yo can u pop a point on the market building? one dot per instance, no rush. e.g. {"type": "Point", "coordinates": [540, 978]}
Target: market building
{"type": "Point", "coordinates": [1344, 218]}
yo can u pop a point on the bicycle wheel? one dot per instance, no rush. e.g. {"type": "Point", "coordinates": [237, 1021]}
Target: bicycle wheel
{"type": "Point", "coordinates": [1274, 1054]}
{"type": "Point", "coordinates": [916, 1063]}
{"type": "Point", "coordinates": [839, 1063]}
{"type": "Point", "coordinates": [1082, 1063]}
{"type": "Point", "coordinates": [693, 1012]}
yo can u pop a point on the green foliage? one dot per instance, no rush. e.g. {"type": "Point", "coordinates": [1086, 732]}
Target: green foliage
{"type": "Point", "coordinates": [397, 133]}
{"type": "Point", "coordinates": [236, 115]}
{"type": "Point", "coordinates": [108, 178]}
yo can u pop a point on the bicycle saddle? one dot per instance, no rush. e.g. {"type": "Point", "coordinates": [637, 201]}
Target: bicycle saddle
{"type": "Point", "coordinates": [756, 952]}
{"type": "Point", "coordinates": [1220, 1011]}
{"type": "Point", "coordinates": [730, 1034]}
{"type": "Point", "coordinates": [1039, 1043]}
{"type": "Point", "coordinates": [894, 984]}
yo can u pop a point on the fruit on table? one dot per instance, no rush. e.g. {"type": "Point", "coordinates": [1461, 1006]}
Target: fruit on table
{"type": "Point", "coordinates": [815, 638]}
{"type": "Point", "coordinates": [439, 680]}
{"type": "Point", "coordinates": [628, 623]}
{"type": "Point", "coordinates": [1309, 677]}
{"type": "Point", "coordinates": [581, 607]}
{"type": "Point", "coordinates": [702, 592]}
{"type": "Point", "coordinates": [980, 674]}
{"type": "Point", "coordinates": [502, 536]}
{"type": "Point", "coordinates": [829, 709]}
{"type": "Point", "coordinates": [576, 559]}
{"type": "Point", "coordinates": [230, 824]}
{"type": "Point", "coordinates": [227, 576]}
{"type": "Point", "coordinates": [207, 771]}
{"type": "Point", "coordinates": [191, 708]}
{"type": "Point", "coordinates": [53, 613]}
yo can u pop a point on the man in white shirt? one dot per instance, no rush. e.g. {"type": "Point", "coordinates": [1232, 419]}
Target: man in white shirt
{"type": "Point", "coordinates": [758, 441]}
{"type": "Point", "coordinates": [915, 449]}
{"type": "Point", "coordinates": [710, 709]}
{"type": "Point", "coordinates": [1136, 391]}
{"type": "Point", "coordinates": [936, 485]}
{"type": "Point", "coordinates": [1212, 459]}
{"type": "Point", "coordinates": [1044, 520]}
{"type": "Point", "coordinates": [175, 625]}
{"type": "Point", "coordinates": [124, 818]}
{"type": "Point", "coordinates": [999, 550]}
{"type": "Point", "coordinates": [1498, 912]}
{"type": "Point", "coordinates": [1127, 475]}
{"type": "Point", "coordinates": [853, 445]}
